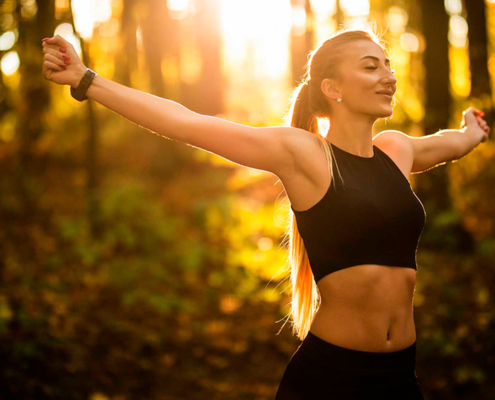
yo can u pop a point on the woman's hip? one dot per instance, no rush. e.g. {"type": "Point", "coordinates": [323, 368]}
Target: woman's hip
{"type": "Point", "coordinates": [319, 368]}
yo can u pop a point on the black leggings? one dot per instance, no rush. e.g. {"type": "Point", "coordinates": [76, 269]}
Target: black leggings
{"type": "Point", "coordinates": [321, 370]}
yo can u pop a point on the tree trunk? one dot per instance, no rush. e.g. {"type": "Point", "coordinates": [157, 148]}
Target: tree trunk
{"type": "Point", "coordinates": [303, 44]}
{"type": "Point", "coordinates": [36, 100]}
{"type": "Point", "coordinates": [433, 186]}
{"type": "Point", "coordinates": [92, 150]}
{"type": "Point", "coordinates": [153, 30]}
{"type": "Point", "coordinates": [478, 57]}
{"type": "Point", "coordinates": [126, 59]}
{"type": "Point", "coordinates": [202, 34]}
{"type": "Point", "coordinates": [210, 100]}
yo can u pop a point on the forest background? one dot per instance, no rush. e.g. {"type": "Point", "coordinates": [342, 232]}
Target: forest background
{"type": "Point", "coordinates": [133, 267]}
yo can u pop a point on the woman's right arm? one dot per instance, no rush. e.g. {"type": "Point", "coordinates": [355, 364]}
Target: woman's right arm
{"type": "Point", "coordinates": [271, 149]}
{"type": "Point", "coordinates": [263, 148]}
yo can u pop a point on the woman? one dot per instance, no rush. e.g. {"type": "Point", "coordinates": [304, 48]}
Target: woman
{"type": "Point", "coordinates": [353, 238]}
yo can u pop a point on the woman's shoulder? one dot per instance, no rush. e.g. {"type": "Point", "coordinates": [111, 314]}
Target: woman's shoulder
{"type": "Point", "coordinates": [395, 144]}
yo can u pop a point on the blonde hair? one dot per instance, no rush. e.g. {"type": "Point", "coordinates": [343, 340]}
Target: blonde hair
{"type": "Point", "coordinates": [308, 107]}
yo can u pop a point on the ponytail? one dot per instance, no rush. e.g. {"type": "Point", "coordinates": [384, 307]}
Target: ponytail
{"type": "Point", "coordinates": [305, 294]}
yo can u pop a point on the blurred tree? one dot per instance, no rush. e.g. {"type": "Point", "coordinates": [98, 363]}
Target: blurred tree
{"type": "Point", "coordinates": [437, 102]}
{"type": "Point", "coordinates": [302, 40]}
{"type": "Point", "coordinates": [35, 101]}
{"type": "Point", "coordinates": [126, 58]}
{"type": "Point", "coordinates": [478, 54]}
{"type": "Point", "coordinates": [433, 187]}
{"type": "Point", "coordinates": [93, 171]}
{"type": "Point", "coordinates": [154, 27]}
{"type": "Point", "coordinates": [208, 95]}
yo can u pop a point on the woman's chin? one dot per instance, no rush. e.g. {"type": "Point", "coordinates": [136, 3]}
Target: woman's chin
{"type": "Point", "coordinates": [386, 113]}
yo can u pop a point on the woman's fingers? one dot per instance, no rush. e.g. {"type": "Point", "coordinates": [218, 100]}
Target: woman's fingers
{"type": "Point", "coordinates": [54, 60]}
{"type": "Point", "coordinates": [54, 53]}
{"type": "Point", "coordinates": [57, 40]}
{"type": "Point", "coordinates": [55, 50]}
{"type": "Point", "coordinates": [478, 117]}
{"type": "Point", "coordinates": [48, 50]}
{"type": "Point", "coordinates": [54, 66]}
{"type": "Point", "coordinates": [55, 57]}
{"type": "Point", "coordinates": [58, 44]}
{"type": "Point", "coordinates": [483, 124]}
{"type": "Point", "coordinates": [476, 111]}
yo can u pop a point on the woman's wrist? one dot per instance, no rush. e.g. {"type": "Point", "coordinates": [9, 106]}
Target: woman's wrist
{"type": "Point", "coordinates": [78, 75]}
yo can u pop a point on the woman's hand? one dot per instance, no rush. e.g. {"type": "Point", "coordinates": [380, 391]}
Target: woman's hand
{"type": "Point", "coordinates": [474, 125]}
{"type": "Point", "coordinates": [56, 50]}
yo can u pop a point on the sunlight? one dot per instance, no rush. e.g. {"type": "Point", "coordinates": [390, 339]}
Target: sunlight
{"type": "Point", "coordinates": [87, 14]}
{"type": "Point", "coordinates": [397, 19]}
{"type": "Point", "coordinates": [458, 31]}
{"type": "Point", "coordinates": [260, 29]}
{"type": "Point", "coordinates": [255, 18]}
{"type": "Point", "coordinates": [7, 41]}
{"type": "Point", "coordinates": [178, 9]}
{"type": "Point", "coordinates": [356, 8]}
{"type": "Point", "coordinates": [10, 63]}
{"type": "Point", "coordinates": [409, 42]}
{"type": "Point", "coordinates": [453, 7]}
{"type": "Point", "coordinates": [460, 75]}
{"type": "Point", "coordinates": [324, 23]}
{"type": "Point", "coordinates": [323, 9]}
{"type": "Point", "coordinates": [298, 20]}
{"type": "Point", "coordinates": [177, 5]}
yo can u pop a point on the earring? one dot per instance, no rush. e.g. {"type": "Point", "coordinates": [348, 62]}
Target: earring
{"type": "Point", "coordinates": [339, 100]}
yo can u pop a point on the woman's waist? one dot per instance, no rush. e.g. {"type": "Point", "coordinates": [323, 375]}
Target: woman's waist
{"type": "Point", "coordinates": [366, 288]}
{"type": "Point", "coordinates": [366, 329]}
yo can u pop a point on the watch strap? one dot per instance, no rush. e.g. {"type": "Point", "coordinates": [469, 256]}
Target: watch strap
{"type": "Point", "coordinates": [79, 93]}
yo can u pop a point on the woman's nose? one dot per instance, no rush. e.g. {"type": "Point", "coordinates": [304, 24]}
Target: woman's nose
{"type": "Point", "coordinates": [391, 77]}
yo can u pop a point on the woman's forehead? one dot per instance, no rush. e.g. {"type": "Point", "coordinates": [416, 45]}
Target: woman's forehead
{"type": "Point", "coordinates": [356, 51]}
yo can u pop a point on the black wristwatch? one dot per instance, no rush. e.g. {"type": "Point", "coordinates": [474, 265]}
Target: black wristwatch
{"type": "Point", "coordinates": [79, 93]}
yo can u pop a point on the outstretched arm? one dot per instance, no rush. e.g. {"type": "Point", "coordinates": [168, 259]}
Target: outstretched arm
{"type": "Point", "coordinates": [266, 148]}
{"type": "Point", "coordinates": [446, 145]}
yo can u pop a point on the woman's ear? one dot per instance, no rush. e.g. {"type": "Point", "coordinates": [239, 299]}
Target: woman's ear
{"type": "Point", "coordinates": [330, 89]}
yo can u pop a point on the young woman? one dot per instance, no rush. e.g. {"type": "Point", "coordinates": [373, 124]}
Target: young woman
{"type": "Point", "coordinates": [353, 237]}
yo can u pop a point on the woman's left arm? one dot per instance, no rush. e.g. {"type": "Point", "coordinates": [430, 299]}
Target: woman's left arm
{"type": "Point", "coordinates": [451, 144]}
{"type": "Point", "coordinates": [426, 152]}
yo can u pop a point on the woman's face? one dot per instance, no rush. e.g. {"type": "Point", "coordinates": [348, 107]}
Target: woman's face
{"type": "Point", "coordinates": [365, 70]}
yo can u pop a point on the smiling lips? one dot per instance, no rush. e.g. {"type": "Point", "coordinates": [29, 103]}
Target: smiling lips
{"type": "Point", "coordinates": [387, 93]}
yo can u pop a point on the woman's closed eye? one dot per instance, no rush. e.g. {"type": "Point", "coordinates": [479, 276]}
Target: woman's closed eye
{"type": "Point", "coordinates": [391, 70]}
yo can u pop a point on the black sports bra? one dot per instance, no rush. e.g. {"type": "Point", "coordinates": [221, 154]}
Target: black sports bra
{"type": "Point", "coordinates": [373, 218]}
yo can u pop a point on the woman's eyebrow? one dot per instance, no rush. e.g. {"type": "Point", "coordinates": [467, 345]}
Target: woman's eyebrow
{"type": "Point", "coordinates": [387, 61]}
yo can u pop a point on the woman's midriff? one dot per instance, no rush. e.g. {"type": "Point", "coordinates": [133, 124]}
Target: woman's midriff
{"type": "Point", "coordinates": [368, 308]}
